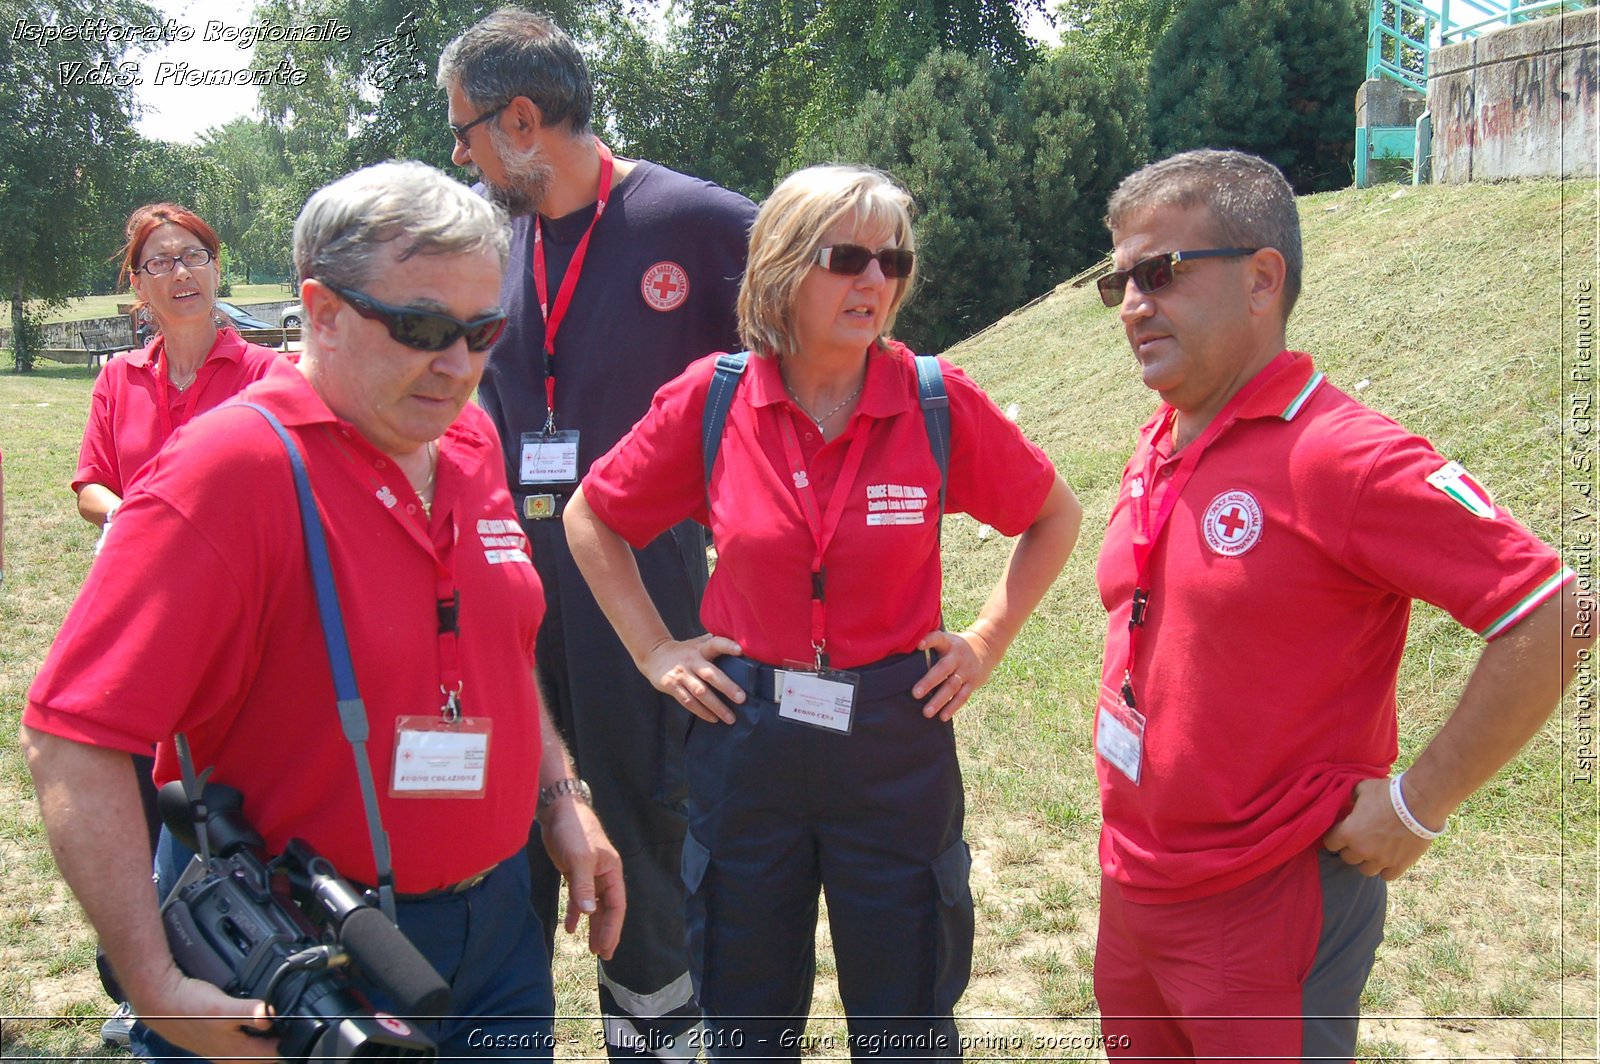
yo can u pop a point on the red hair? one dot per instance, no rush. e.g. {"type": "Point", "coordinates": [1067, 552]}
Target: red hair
{"type": "Point", "coordinates": [149, 218]}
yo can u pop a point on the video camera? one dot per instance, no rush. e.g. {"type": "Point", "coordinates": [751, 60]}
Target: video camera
{"type": "Point", "coordinates": [283, 929]}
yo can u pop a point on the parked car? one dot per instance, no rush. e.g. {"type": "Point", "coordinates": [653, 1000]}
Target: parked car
{"type": "Point", "coordinates": [292, 316]}
{"type": "Point", "coordinates": [241, 319]}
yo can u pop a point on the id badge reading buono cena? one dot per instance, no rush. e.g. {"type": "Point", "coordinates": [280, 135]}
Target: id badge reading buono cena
{"type": "Point", "coordinates": [822, 698]}
{"type": "Point", "coordinates": [435, 758]}
{"type": "Point", "coordinates": [1119, 733]}
{"type": "Point", "coordinates": [549, 458]}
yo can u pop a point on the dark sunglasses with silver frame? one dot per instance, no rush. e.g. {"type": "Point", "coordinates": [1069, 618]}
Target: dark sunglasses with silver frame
{"type": "Point", "coordinates": [1155, 273]}
{"type": "Point", "coordinates": [852, 259]}
{"type": "Point", "coordinates": [426, 330]}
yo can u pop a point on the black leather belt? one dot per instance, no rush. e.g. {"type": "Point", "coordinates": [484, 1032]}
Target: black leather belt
{"type": "Point", "coordinates": [454, 888]}
{"type": "Point", "coordinates": [882, 679]}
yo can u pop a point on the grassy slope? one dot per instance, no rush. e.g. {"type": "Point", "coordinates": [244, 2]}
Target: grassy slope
{"type": "Point", "coordinates": [1449, 301]}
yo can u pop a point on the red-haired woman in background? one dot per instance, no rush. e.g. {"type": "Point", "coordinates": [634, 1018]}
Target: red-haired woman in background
{"type": "Point", "coordinates": [193, 364]}
{"type": "Point", "coordinates": [142, 397]}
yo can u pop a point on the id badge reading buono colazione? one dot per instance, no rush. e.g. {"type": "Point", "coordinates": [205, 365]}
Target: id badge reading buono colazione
{"type": "Point", "coordinates": [1119, 733]}
{"type": "Point", "coordinates": [549, 458]}
{"type": "Point", "coordinates": [436, 758]}
{"type": "Point", "coordinates": [822, 698]}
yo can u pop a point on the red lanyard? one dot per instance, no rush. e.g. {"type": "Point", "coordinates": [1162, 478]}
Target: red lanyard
{"type": "Point", "coordinates": [163, 405]}
{"type": "Point", "coordinates": [554, 315]}
{"type": "Point", "coordinates": [822, 530]}
{"type": "Point", "coordinates": [1147, 532]}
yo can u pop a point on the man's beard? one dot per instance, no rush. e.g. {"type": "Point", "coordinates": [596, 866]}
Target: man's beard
{"type": "Point", "coordinates": [525, 187]}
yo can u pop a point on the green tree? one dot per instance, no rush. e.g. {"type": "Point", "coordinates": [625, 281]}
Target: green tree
{"type": "Point", "coordinates": [372, 96]}
{"type": "Point", "coordinates": [738, 85]}
{"type": "Point", "coordinates": [1082, 132]}
{"type": "Point", "coordinates": [65, 137]}
{"type": "Point", "coordinates": [250, 164]}
{"type": "Point", "coordinates": [1111, 30]}
{"type": "Point", "coordinates": [1265, 76]}
{"type": "Point", "coordinates": [949, 136]}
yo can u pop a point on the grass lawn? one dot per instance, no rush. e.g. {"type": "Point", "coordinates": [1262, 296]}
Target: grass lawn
{"type": "Point", "coordinates": [1448, 308]}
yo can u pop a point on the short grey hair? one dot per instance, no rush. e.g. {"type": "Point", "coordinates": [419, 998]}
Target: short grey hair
{"type": "Point", "coordinates": [518, 53]}
{"type": "Point", "coordinates": [788, 233]}
{"type": "Point", "coordinates": [1250, 202]}
{"type": "Point", "coordinates": [343, 225]}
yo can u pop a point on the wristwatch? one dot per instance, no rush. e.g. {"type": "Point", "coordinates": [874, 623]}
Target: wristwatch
{"type": "Point", "coordinates": [560, 788]}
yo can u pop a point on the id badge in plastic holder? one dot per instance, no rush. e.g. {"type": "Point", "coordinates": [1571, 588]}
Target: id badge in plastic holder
{"type": "Point", "coordinates": [549, 458]}
{"type": "Point", "coordinates": [435, 758]}
{"type": "Point", "coordinates": [821, 698]}
{"type": "Point", "coordinates": [1119, 733]}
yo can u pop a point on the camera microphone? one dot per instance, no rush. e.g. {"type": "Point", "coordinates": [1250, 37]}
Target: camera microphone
{"type": "Point", "coordinates": [392, 964]}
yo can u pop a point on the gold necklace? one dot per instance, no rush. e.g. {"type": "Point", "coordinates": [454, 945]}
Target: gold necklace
{"type": "Point", "coordinates": [425, 493]}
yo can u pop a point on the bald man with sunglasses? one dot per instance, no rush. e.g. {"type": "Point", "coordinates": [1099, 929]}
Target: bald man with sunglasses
{"type": "Point", "coordinates": [1268, 538]}
{"type": "Point", "coordinates": [199, 618]}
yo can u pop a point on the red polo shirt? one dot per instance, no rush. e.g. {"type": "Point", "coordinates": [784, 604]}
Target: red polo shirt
{"type": "Point", "coordinates": [125, 427]}
{"type": "Point", "coordinates": [882, 564]}
{"type": "Point", "coordinates": [199, 616]}
{"type": "Point", "coordinates": [1280, 590]}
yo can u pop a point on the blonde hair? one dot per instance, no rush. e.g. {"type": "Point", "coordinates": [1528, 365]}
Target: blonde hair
{"type": "Point", "coordinates": [788, 233]}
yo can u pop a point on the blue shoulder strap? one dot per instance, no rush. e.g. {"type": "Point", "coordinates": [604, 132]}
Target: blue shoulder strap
{"type": "Point", "coordinates": [936, 416]}
{"type": "Point", "coordinates": [719, 398]}
{"type": "Point", "coordinates": [352, 712]}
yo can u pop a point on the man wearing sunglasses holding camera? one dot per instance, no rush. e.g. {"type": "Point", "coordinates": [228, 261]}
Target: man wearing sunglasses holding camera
{"type": "Point", "coordinates": [621, 273]}
{"type": "Point", "coordinates": [199, 618]}
{"type": "Point", "coordinates": [1266, 543]}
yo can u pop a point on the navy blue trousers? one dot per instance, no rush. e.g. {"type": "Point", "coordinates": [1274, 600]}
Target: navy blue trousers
{"type": "Point", "coordinates": [780, 811]}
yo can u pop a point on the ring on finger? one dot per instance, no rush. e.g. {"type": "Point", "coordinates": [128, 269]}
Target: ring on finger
{"type": "Point", "coordinates": [956, 676]}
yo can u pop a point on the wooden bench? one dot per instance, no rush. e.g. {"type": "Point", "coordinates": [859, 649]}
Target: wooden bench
{"type": "Point", "coordinates": [69, 356]}
{"type": "Point", "coordinates": [279, 338]}
{"type": "Point", "coordinates": [100, 344]}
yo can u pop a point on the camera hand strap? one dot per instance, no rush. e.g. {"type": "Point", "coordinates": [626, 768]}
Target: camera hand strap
{"type": "Point", "coordinates": [352, 712]}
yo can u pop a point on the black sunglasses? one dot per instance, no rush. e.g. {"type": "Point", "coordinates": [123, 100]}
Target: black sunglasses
{"type": "Point", "coordinates": [462, 130]}
{"type": "Point", "coordinates": [427, 330]}
{"type": "Point", "coordinates": [1155, 273]}
{"type": "Point", "coordinates": [852, 259]}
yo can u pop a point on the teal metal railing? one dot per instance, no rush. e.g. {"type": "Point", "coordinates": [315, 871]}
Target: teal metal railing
{"type": "Point", "coordinates": [1401, 33]}
{"type": "Point", "coordinates": [1398, 36]}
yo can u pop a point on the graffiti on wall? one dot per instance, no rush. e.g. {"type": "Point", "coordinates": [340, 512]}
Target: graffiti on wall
{"type": "Point", "coordinates": [1531, 115]}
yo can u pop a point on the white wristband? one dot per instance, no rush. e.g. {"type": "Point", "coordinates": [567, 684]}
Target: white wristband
{"type": "Point", "coordinates": [1397, 799]}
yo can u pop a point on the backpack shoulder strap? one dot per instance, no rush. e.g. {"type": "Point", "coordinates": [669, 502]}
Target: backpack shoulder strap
{"type": "Point", "coordinates": [935, 402]}
{"type": "Point", "coordinates": [719, 398]}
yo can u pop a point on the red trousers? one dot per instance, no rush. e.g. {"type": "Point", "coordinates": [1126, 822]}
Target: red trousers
{"type": "Point", "coordinates": [1270, 970]}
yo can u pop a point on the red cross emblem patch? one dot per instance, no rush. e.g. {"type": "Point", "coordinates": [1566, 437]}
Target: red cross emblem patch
{"type": "Point", "coordinates": [1232, 523]}
{"type": "Point", "coordinates": [665, 286]}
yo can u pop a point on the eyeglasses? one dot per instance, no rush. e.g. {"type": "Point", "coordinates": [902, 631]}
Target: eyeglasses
{"type": "Point", "coordinates": [462, 131]}
{"type": "Point", "coordinates": [427, 330]}
{"type": "Point", "coordinates": [1155, 273]}
{"type": "Point", "coordinates": [852, 259]}
{"type": "Point", "coordinates": [157, 265]}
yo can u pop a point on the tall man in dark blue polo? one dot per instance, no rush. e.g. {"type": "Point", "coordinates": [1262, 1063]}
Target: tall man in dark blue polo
{"type": "Point", "coordinates": [622, 272]}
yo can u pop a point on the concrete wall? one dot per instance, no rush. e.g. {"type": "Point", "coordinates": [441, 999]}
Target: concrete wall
{"type": "Point", "coordinates": [1518, 102]}
{"type": "Point", "coordinates": [65, 333]}
{"type": "Point", "coordinates": [1384, 102]}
